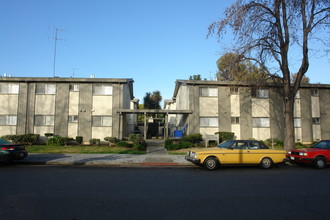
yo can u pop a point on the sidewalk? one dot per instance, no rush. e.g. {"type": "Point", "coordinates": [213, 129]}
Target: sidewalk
{"type": "Point", "coordinates": [156, 155]}
{"type": "Point", "coordinates": [119, 160]}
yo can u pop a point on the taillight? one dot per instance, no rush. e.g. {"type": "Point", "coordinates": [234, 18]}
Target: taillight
{"type": "Point", "coordinates": [7, 148]}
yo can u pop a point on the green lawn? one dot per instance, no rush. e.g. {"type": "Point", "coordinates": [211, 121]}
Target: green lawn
{"type": "Point", "coordinates": [81, 149]}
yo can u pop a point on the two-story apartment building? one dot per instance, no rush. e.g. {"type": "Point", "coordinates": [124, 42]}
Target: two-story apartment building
{"type": "Point", "coordinates": [250, 110]}
{"type": "Point", "coordinates": [65, 106]}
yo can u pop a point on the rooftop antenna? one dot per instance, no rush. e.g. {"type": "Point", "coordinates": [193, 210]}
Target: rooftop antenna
{"type": "Point", "coordinates": [56, 30]}
{"type": "Point", "coordinates": [73, 73]}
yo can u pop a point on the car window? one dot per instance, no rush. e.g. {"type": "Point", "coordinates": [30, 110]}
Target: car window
{"type": "Point", "coordinates": [225, 144]}
{"type": "Point", "coordinates": [322, 145]}
{"type": "Point", "coordinates": [254, 145]}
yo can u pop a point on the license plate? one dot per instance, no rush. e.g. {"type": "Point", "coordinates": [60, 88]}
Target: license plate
{"type": "Point", "coordinates": [292, 158]}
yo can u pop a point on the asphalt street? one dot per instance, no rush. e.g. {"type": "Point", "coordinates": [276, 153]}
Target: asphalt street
{"type": "Point", "coordinates": [82, 192]}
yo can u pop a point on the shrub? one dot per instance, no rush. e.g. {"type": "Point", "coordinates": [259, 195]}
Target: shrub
{"type": "Point", "coordinates": [223, 136]}
{"type": "Point", "coordinates": [123, 144]}
{"type": "Point", "coordinates": [79, 139]}
{"type": "Point", "coordinates": [141, 146]}
{"type": "Point", "coordinates": [168, 142]}
{"type": "Point", "coordinates": [276, 141]}
{"type": "Point", "coordinates": [12, 138]}
{"type": "Point", "coordinates": [22, 139]}
{"type": "Point", "coordinates": [169, 145]}
{"type": "Point", "coordinates": [47, 135]}
{"type": "Point", "coordinates": [66, 140]}
{"type": "Point", "coordinates": [184, 144]}
{"type": "Point", "coordinates": [136, 138]}
{"type": "Point", "coordinates": [55, 141]}
{"type": "Point", "coordinates": [193, 138]}
{"type": "Point", "coordinates": [95, 141]}
{"type": "Point", "coordinates": [30, 139]}
{"type": "Point", "coordinates": [111, 139]}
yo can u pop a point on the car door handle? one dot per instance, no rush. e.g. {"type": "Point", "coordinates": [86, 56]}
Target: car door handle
{"type": "Point", "coordinates": [248, 151]}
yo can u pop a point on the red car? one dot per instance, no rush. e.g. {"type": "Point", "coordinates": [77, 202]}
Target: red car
{"type": "Point", "coordinates": [318, 154]}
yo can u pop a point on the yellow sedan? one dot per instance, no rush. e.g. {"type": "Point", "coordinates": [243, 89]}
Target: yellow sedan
{"type": "Point", "coordinates": [243, 152]}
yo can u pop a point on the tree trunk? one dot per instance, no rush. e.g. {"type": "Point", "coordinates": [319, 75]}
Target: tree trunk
{"type": "Point", "coordinates": [289, 134]}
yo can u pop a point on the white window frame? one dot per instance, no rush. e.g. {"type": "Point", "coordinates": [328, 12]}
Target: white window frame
{"type": "Point", "coordinates": [234, 90]}
{"type": "Point", "coordinates": [260, 93]}
{"type": "Point", "coordinates": [261, 122]}
{"type": "Point", "coordinates": [102, 121]}
{"type": "Point", "coordinates": [8, 119]}
{"type": "Point", "coordinates": [235, 120]}
{"type": "Point", "coordinates": [44, 120]}
{"type": "Point", "coordinates": [297, 122]}
{"type": "Point", "coordinates": [208, 91]}
{"type": "Point", "coordinates": [209, 122]}
{"type": "Point", "coordinates": [316, 121]}
{"type": "Point", "coordinates": [74, 87]}
{"type": "Point", "coordinates": [315, 92]}
{"type": "Point", "coordinates": [9, 88]}
{"type": "Point", "coordinates": [102, 89]}
{"type": "Point", "coordinates": [46, 89]}
{"type": "Point", "coordinates": [73, 118]}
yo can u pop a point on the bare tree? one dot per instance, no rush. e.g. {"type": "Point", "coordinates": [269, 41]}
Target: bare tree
{"type": "Point", "coordinates": [265, 30]}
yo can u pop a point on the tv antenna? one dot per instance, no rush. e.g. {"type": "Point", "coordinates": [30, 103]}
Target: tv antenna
{"type": "Point", "coordinates": [56, 30]}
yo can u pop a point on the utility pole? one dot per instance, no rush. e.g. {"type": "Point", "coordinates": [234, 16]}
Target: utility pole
{"type": "Point", "coordinates": [56, 30]}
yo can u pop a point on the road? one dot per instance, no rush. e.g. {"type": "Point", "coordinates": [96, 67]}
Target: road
{"type": "Point", "coordinates": [46, 192]}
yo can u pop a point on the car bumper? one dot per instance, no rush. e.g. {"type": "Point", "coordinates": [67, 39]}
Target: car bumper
{"type": "Point", "coordinates": [18, 155]}
{"type": "Point", "coordinates": [295, 159]}
{"type": "Point", "coordinates": [193, 160]}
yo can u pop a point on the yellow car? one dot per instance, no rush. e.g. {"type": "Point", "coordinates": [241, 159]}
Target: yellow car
{"type": "Point", "coordinates": [243, 152]}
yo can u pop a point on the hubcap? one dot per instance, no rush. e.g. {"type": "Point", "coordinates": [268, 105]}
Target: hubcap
{"type": "Point", "coordinates": [211, 163]}
{"type": "Point", "coordinates": [320, 163]}
{"type": "Point", "coordinates": [266, 163]}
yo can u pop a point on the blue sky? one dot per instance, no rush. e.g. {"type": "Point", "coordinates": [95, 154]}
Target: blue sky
{"type": "Point", "coordinates": [155, 42]}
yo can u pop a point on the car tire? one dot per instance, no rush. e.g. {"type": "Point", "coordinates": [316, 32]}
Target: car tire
{"type": "Point", "coordinates": [211, 163]}
{"type": "Point", "coordinates": [319, 162]}
{"type": "Point", "coordinates": [266, 163]}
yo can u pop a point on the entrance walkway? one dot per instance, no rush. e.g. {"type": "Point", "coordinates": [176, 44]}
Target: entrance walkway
{"type": "Point", "coordinates": [156, 153]}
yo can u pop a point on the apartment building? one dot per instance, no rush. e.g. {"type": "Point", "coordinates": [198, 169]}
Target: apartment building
{"type": "Point", "coordinates": [68, 107]}
{"type": "Point", "coordinates": [250, 110]}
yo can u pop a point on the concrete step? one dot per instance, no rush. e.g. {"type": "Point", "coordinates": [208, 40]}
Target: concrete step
{"type": "Point", "coordinates": [156, 147]}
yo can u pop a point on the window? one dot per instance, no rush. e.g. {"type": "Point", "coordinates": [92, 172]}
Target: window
{"type": "Point", "coordinates": [260, 93]}
{"type": "Point", "coordinates": [74, 88]}
{"type": "Point", "coordinates": [8, 120]}
{"type": "Point", "coordinates": [206, 92]}
{"type": "Point", "coordinates": [9, 88]}
{"type": "Point", "coordinates": [235, 120]}
{"type": "Point", "coordinates": [316, 121]}
{"type": "Point", "coordinates": [44, 120]}
{"type": "Point", "coordinates": [234, 90]}
{"type": "Point", "coordinates": [209, 122]}
{"type": "Point", "coordinates": [102, 121]}
{"type": "Point", "coordinates": [73, 118]}
{"type": "Point", "coordinates": [315, 92]}
{"type": "Point", "coordinates": [260, 122]}
{"type": "Point", "coordinates": [102, 90]}
{"type": "Point", "coordinates": [46, 89]}
{"type": "Point", "coordinates": [297, 122]}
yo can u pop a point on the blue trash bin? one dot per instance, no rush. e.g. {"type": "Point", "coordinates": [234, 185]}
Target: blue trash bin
{"type": "Point", "coordinates": [178, 134]}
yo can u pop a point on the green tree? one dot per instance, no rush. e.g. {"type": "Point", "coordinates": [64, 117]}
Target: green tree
{"type": "Point", "coordinates": [195, 77]}
{"type": "Point", "coordinates": [152, 100]}
{"type": "Point", "coordinates": [233, 67]}
{"type": "Point", "coordinates": [266, 30]}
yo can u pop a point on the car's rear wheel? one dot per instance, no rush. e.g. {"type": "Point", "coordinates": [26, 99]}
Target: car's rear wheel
{"type": "Point", "coordinates": [319, 162]}
{"type": "Point", "coordinates": [266, 163]}
{"type": "Point", "coordinates": [211, 163]}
